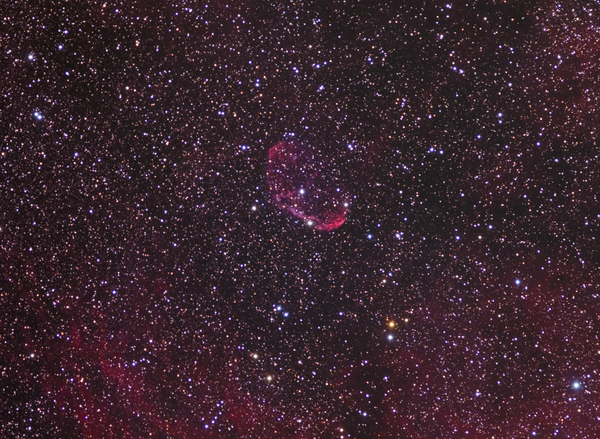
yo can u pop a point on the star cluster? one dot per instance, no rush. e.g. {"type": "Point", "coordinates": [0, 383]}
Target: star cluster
{"type": "Point", "coordinates": [150, 287]}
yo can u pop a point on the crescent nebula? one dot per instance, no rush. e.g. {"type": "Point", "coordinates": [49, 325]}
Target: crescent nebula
{"type": "Point", "coordinates": [304, 185]}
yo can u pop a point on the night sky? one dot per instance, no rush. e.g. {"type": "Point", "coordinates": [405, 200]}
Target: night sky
{"type": "Point", "coordinates": [299, 219]}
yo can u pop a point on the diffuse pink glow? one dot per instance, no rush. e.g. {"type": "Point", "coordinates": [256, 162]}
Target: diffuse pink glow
{"type": "Point", "coordinates": [297, 186]}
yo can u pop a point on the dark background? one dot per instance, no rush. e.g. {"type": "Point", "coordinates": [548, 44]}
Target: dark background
{"type": "Point", "coordinates": [148, 288]}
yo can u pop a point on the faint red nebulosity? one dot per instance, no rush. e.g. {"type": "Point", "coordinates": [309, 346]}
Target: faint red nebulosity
{"type": "Point", "coordinates": [303, 184]}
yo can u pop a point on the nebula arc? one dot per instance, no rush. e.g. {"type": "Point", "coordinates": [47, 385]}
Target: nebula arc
{"type": "Point", "coordinates": [305, 185]}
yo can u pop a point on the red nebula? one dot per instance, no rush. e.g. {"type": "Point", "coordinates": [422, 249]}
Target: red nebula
{"type": "Point", "coordinates": [305, 186]}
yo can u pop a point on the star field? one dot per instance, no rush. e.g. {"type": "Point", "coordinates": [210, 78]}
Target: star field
{"type": "Point", "coordinates": [163, 276]}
